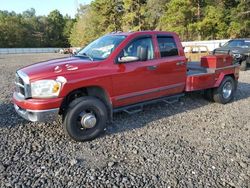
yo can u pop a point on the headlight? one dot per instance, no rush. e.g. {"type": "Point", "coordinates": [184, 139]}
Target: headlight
{"type": "Point", "coordinates": [45, 88]}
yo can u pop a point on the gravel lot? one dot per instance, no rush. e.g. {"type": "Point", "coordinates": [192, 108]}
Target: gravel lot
{"type": "Point", "coordinates": [192, 143]}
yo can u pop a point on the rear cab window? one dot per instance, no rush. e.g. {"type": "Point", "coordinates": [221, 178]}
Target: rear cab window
{"type": "Point", "coordinates": [167, 46]}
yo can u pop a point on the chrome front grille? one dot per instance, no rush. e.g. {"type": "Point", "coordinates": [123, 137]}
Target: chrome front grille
{"type": "Point", "coordinates": [19, 85]}
{"type": "Point", "coordinates": [22, 85]}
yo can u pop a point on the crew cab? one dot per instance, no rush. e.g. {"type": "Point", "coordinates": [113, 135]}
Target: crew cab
{"type": "Point", "coordinates": [239, 49]}
{"type": "Point", "coordinates": [118, 72]}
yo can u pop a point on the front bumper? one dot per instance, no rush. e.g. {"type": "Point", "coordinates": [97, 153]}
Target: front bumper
{"type": "Point", "coordinates": [37, 115]}
{"type": "Point", "coordinates": [43, 110]}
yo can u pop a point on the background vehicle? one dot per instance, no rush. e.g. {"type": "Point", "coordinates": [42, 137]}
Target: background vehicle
{"type": "Point", "coordinates": [118, 72]}
{"type": "Point", "coordinates": [195, 52]}
{"type": "Point", "coordinates": [239, 49]}
{"type": "Point", "coordinates": [65, 51]}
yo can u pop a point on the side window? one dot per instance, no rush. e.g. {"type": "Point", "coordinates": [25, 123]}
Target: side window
{"type": "Point", "coordinates": [167, 46]}
{"type": "Point", "coordinates": [235, 43]}
{"type": "Point", "coordinates": [132, 49]}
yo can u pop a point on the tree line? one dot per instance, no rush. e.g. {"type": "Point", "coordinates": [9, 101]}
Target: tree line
{"type": "Point", "coordinates": [28, 30]}
{"type": "Point", "coordinates": [191, 19]}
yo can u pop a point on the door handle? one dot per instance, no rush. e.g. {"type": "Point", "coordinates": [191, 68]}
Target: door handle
{"type": "Point", "coordinates": [153, 67]}
{"type": "Point", "coordinates": [180, 63]}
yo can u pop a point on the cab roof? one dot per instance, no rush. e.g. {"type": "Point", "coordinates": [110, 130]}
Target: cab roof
{"type": "Point", "coordinates": [142, 33]}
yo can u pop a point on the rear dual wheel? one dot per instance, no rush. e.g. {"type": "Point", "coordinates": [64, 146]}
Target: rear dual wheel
{"type": "Point", "coordinates": [85, 118]}
{"type": "Point", "coordinates": [224, 93]}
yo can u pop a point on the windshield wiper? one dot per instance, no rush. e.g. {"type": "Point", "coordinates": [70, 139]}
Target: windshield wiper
{"type": "Point", "coordinates": [86, 55]}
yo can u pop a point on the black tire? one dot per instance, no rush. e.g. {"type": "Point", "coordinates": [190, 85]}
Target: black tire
{"type": "Point", "coordinates": [85, 105]}
{"type": "Point", "coordinates": [229, 84]}
{"type": "Point", "coordinates": [243, 65]}
{"type": "Point", "coordinates": [208, 95]}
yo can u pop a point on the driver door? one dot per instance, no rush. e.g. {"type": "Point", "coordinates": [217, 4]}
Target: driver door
{"type": "Point", "coordinates": [135, 79]}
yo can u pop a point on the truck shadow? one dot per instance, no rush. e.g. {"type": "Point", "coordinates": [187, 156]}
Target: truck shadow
{"type": "Point", "coordinates": [191, 101]}
{"type": "Point", "coordinates": [124, 122]}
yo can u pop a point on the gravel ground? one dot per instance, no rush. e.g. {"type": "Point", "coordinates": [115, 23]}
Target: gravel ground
{"type": "Point", "coordinates": [192, 143]}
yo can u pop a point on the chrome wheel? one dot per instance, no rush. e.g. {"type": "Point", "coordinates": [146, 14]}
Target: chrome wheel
{"type": "Point", "coordinates": [88, 120]}
{"type": "Point", "coordinates": [227, 90]}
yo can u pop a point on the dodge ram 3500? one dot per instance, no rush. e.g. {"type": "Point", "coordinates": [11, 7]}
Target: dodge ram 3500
{"type": "Point", "coordinates": [118, 72]}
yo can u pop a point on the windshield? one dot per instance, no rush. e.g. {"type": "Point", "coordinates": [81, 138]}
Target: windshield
{"type": "Point", "coordinates": [102, 47]}
{"type": "Point", "coordinates": [238, 43]}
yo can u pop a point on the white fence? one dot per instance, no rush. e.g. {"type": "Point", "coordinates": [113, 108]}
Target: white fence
{"type": "Point", "coordinates": [28, 50]}
{"type": "Point", "coordinates": [211, 44]}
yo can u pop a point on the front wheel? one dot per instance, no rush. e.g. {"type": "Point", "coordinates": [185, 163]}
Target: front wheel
{"type": "Point", "coordinates": [225, 92]}
{"type": "Point", "coordinates": [85, 118]}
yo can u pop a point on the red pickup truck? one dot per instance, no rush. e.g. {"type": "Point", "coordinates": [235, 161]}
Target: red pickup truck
{"type": "Point", "coordinates": [118, 72]}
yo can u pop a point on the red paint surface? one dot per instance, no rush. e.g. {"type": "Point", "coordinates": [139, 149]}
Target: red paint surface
{"type": "Point", "coordinates": [38, 104]}
{"type": "Point", "coordinates": [216, 61]}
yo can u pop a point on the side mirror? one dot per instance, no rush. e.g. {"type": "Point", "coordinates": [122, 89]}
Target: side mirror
{"type": "Point", "coordinates": [220, 45]}
{"type": "Point", "coordinates": [142, 53]}
{"type": "Point", "coordinates": [127, 59]}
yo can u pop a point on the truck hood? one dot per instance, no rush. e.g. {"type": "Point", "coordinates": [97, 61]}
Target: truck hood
{"type": "Point", "coordinates": [57, 67]}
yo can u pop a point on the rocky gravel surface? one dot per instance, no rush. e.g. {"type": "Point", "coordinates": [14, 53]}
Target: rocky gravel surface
{"type": "Point", "coordinates": [192, 143]}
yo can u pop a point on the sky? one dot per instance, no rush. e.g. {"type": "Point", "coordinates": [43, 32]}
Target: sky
{"type": "Point", "coordinates": [43, 7]}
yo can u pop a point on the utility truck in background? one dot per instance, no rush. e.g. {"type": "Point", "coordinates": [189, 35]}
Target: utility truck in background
{"type": "Point", "coordinates": [118, 72]}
